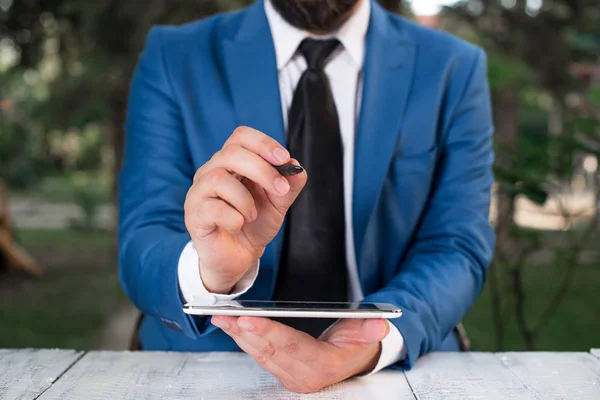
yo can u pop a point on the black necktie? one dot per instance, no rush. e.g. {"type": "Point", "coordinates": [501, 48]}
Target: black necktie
{"type": "Point", "coordinates": [313, 263]}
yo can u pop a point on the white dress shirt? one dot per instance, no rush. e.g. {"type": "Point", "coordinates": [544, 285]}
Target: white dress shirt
{"type": "Point", "coordinates": [344, 70]}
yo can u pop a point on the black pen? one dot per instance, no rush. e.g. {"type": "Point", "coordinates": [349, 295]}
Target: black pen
{"type": "Point", "coordinates": [289, 169]}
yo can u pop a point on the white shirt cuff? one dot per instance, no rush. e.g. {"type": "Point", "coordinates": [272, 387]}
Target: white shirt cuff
{"type": "Point", "coordinates": [393, 349]}
{"type": "Point", "coordinates": [191, 285]}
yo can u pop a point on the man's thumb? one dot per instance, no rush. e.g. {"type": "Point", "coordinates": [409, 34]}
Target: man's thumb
{"type": "Point", "coordinates": [356, 331]}
{"type": "Point", "coordinates": [374, 330]}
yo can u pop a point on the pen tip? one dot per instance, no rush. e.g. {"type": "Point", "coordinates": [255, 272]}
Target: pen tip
{"type": "Point", "coordinates": [290, 169]}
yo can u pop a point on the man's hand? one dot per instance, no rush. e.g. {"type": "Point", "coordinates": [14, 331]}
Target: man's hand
{"type": "Point", "coordinates": [237, 204]}
{"type": "Point", "coordinates": [301, 363]}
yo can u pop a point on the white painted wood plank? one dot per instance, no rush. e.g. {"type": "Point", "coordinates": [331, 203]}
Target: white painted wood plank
{"type": "Point", "coordinates": [595, 352]}
{"type": "Point", "coordinates": [162, 376]}
{"type": "Point", "coordinates": [557, 375]}
{"type": "Point", "coordinates": [25, 374]}
{"type": "Point", "coordinates": [465, 376]}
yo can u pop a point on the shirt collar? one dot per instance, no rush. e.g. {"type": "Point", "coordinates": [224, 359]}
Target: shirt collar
{"type": "Point", "coordinates": [351, 34]}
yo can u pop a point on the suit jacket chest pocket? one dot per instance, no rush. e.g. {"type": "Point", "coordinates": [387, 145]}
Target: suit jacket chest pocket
{"type": "Point", "coordinates": [411, 177]}
{"type": "Point", "coordinates": [419, 163]}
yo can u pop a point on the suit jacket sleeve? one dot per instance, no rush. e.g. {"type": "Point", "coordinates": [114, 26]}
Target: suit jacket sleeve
{"type": "Point", "coordinates": [444, 270]}
{"type": "Point", "coordinates": [156, 175]}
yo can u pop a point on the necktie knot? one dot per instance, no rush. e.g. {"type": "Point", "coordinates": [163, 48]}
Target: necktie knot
{"type": "Point", "coordinates": [316, 51]}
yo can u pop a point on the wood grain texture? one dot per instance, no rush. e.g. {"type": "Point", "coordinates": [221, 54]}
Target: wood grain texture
{"type": "Point", "coordinates": [465, 376]}
{"type": "Point", "coordinates": [557, 375]}
{"type": "Point", "coordinates": [25, 374]}
{"type": "Point", "coordinates": [595, 352]}
{"type": "Point", "coordinates": [162, 376]}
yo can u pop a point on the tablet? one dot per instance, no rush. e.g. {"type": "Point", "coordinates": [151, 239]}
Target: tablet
{"type": "Point", "coordinates": [293, 309]}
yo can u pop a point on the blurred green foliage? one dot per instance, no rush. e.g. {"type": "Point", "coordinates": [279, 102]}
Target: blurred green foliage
{"type": "Point", "coordinates": [19, 166]}
{"type": "Point", "coordinates": [504, 71]}
{"type": "Point", "coordinates": [88, 199]}
{"type": "Point", "coordinates": [69, 77]}
{"type": "Point", "coordinates": [545, 125]}
{"type": "Point", "coordinates": [67, 86]}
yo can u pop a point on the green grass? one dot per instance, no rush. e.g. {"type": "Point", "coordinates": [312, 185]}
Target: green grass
{"type": "Point", "coordinates": [80, 291]}
{"type": "Point", "coordinates": [64, 188]}
{"type": "Point", "coordinates": [69, 306]}
{"type": "Point", "coordinates": [574, 327]}
{"type": "Point", "coordinates": [42, 240]}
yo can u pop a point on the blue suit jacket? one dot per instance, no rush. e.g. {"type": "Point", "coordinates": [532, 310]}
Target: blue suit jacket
{"type": "Point", "coordinates": [421, 182]}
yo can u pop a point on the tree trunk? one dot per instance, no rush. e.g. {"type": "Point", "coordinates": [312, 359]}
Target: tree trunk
{"type": "Point", "coordinates": [497, 316]}
{"type": "Point", "coordinates": [507, 136]}
{"type": "Point", "coordinates": [596, 189]}
{"type": "Point", "coordinates": [507, 130]}
{"type": "Point", "coordinates": [11, 254]}
{"type": "Point", "coordinates": [118, 115]}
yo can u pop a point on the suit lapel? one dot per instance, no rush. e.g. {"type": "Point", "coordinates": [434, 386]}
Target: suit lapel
{"type": "Point", "coordinates": [388, 73]}
{"type": "Point", "coordinates": [251, 70]}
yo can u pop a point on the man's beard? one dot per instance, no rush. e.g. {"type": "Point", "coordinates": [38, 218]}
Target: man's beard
{"type": "Point", "coordinates": [315, 15]}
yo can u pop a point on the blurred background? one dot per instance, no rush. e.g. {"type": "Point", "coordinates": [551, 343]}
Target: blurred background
{"type": "Point", "coordinates": [65, 67]}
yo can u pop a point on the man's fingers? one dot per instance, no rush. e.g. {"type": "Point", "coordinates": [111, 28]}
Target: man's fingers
{"type": "Point", "coordinates": [226, 323]}
{"type": "Point", "coordinates": [375, 330]}
{"type": "Point", "coordinates": [244, 162]}
{"type": "Point", "coordinates": [297, 182]}
{"type": "Point", "coordinates": [259, 143]}
{"type": "Point", "coordinates": [261, 350]}
{"type": "Point", "coordinates": [264, 351]}
{"type": "Point", "coordinates": [213, 213]}
{"type": "Point", "coordinates": [289, 341]}
{"type": "Point", "coordinates": [356, 331]}
{"type": "Point", "coordinates": [219, 183]}
{"type": "Point", "coordinates": [287, 354]}
{"type": "Point", "coordinates": [262, 331]}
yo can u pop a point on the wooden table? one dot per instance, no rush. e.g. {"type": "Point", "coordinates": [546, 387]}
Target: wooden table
{"type": "Point", "coordinates": [67, 374]}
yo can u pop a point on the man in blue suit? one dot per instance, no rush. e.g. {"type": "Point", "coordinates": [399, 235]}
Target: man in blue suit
{"type": "Point", "coordinates": [391, 123]}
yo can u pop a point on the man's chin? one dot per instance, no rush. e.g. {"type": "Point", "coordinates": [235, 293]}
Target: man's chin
{"type": "Point", "coordinates": [315, 15]}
